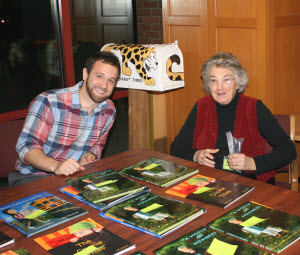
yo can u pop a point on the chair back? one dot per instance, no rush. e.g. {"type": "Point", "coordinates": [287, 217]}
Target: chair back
{"type": "Point", "coordinates": [287, 122]}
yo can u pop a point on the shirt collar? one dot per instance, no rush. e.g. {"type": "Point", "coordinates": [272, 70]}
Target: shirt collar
{"type": "Point", "coordinates": [76, 100]}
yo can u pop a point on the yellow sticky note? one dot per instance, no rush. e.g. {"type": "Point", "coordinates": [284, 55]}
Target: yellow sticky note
{"type": "Point", "coordinates": [218, 247]}
{"type": "Point", "coordinates": [202, 190]}
{"type": "Point", "coordinates": [252, 221]}
{"type": "Point", "coordinates": [225, 164]}
{"type": "Point", "coordinates": [105, 183]}
{"type": "Point", "coordinates": [35, 214]}
{"type": "Point", "coordinates": [150, 166]}
{"type": "Point", "coordinates": [151, 208]}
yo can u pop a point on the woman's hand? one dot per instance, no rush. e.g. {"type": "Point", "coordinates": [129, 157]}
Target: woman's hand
{"type": "Point", "coordinates": [240, 161]}
{"type": "Point", "coordinates": [205, 157]}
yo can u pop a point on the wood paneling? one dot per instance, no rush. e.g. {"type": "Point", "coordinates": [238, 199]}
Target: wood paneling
{"type": "Point", "coordinates": [287, 62]}
{"type": "Point", "coordinates": [242, 42]}
{"type": "Point", "coordinates": [191, 32]}
{"type": "Point", "coordinates": [236, 8]}
{"type": "Point", "coordinates": [102, 21]}
{"type": "Point", "coordinates": [189, 8]}
{"type": "Point", "coordinates": [263, 34]}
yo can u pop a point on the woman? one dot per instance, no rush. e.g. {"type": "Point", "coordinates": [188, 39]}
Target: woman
{"type": "Point", "coordinates": [203, 136]}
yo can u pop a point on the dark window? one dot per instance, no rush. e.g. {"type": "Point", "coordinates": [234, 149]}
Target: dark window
{"type": "Point", "coordinates": [29, 55]}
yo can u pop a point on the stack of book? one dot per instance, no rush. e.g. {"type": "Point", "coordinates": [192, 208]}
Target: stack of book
{"type": "Point", "coordinates": [153, 214]}
{"type": "Point", "coordinates": [210, 190]}
{"type": "Point", "coordinates": [5, 239]}
{"type": "Point", "coordinates": [102, 189]}
{"type": "Point", "coordinates": [127, 202]}
{"type": "Point", "coordinates": [158, 171]}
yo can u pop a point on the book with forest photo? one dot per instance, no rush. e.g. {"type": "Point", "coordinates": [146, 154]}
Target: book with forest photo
{"type": "Point", "coordinates": [153, 214]}
{"type": "Point", "coordinates": [204, 240]}
{"type": "Point", "coordinates": [158, 171]}
{"type": "Point", "coordinates": [39, 212]}
{"type": "Point", "coordinates": [263, 226]}
{"type": "Point", "coordinates": [210, 190]}
{"type": "Point", "coordinates": [104, 185]}
{"type": "Point", "coordinates": [84, 237]}
{"type": "Point", "coordinates": [70, 191]}
{"type": "Point", "coordinates": [21, 251]}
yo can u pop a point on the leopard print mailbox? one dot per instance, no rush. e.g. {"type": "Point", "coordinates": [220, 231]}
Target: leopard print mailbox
{"type": "Point", "coordinates": [155, 67]}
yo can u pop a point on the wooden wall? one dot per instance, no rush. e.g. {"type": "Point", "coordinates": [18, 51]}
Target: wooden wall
{"type": "Point", "coordinates": [263, 34]}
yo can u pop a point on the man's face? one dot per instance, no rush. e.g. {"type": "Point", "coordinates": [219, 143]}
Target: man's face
{"type": "Point", "coordinates": [84, 232]}
{"type": "Point", "coordinates": [12, 211]}
{"type": "Point", "coordinates": [202, 183]}
{"type": "Point", "coordinates": [100, 82]}
{"type": "Point", "coordinates": [236, 221]}
{"type": "Point", "coordinates": [129, 208]}
{"type": "Point", "coordinates": [186, 250]}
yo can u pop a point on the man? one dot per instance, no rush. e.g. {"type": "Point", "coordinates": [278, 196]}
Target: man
{"type": "Point", "coordinates": [29, 217]}
{"type": "Point", "coordinates": [262, 229]}
{"type": "Point", "coordinates": [67, 128]}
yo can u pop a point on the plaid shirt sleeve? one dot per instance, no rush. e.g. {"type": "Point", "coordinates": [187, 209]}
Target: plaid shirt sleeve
{"type": "Point", "coordinates": [99, 145]}
{"type": "Point", "coordinates": [36, 128]}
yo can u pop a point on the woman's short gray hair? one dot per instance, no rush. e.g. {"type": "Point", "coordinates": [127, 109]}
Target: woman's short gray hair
{"type": "Point", "coordinates": [225, 60]}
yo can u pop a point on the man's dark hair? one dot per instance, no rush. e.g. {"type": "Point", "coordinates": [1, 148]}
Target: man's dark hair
{"type": "Point", "coordinates": [104, 56]}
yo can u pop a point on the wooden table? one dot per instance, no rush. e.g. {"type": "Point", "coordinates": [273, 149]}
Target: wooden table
{"type": "Point", "coordinates": [269, 195]}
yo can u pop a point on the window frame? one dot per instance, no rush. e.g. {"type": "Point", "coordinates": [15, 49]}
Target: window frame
{"type": "Point", "coordinates": [63, 24]}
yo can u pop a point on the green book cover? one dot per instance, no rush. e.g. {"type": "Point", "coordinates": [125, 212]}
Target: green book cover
{"type": "Point", "coordinates": [153, 214]}
{"type": "Point", "coordinates": [207, 241]}
{"type": "Point", "coordinates": [260, 225]}
{"type": "Point", "coordinates": [158, 171]}
{"type": "Point", "coordinates": [210, 190]}
{"type": "Point", "coordinates": [104, 185]}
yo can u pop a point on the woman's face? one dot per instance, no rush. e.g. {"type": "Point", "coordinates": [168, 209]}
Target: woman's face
{"type": "Point", "coordinates": [223, 85]}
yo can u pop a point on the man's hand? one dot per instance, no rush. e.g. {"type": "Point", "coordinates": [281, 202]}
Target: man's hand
{"type": "Point", "coordinates": [205, 157]}
{"type": "Point", "coordinates": [88, 157]}
{"type": "Point", "coordinates": [240, 161]}
{"type": "Point", "coordinates": [68, 167]}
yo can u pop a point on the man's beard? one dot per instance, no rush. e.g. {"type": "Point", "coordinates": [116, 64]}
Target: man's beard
{"type": "Point", "coordinates": [93, 97]}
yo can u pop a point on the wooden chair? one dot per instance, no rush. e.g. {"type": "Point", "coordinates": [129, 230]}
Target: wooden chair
{"type": "Point", "coordinates": [287, 122]}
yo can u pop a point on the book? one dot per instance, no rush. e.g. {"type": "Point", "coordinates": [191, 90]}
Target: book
{"type": "Point", "coordinates": [204, 240]}
{"type": "Point", "coordinates": [210, 190]}
{"type": "Point", "coordinates": [69, 190]}
{"type": "Point", "coordinates": [9, 252]}
{"type": "Point", "coordinates": [138, 253]}
{"type": "Point", "coordinates": [158, 171]}
{"type": "Point", "coordinates": [84, 237]}
{"type": "Point", "coordinates": [104, 185]}
{"type": "Point", "coordinates": [39, 212]}
{"type": "Point", "coordinates": [153, 214]}
{"type": "Point", "coordinates": [5, 239]}
{"type": "Point", "coordinates": [263, 226]}
{"type": "Point", "coordinates": [21, 251]}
